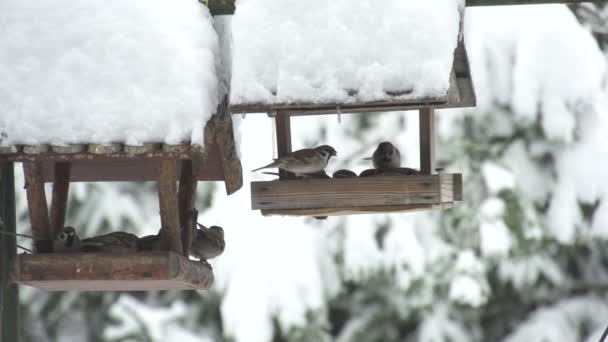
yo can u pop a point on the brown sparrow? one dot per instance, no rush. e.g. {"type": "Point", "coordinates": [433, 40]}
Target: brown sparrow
{"type": "Point", "coordinates": [386, 156]}
{"type": "Point", "coordinates": [115, 242]}
{"type": "Point", "coordinates": [305, 161]}
{"type": "Point", "coordinates": [149, 243]}
{"type": "Point", "coordinates": [207, 242]}
{"type": "Point", "coordinates": [67, 241]}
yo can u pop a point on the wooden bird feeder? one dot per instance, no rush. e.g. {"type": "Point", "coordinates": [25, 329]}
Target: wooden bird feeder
{"type": "Point", "coordinates": [166, 164]}
{"type": "Point", "coordinates": [362, 195]}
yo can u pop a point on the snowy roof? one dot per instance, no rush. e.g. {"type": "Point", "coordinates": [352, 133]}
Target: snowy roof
{"type": "Point", "coordinates": [107, 71]}
{"type": "Point", "coordinates": [318, 51]}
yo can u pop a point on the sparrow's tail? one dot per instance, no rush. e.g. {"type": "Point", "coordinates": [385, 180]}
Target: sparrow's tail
{"type": "Point", "coordinates": [271, 165]}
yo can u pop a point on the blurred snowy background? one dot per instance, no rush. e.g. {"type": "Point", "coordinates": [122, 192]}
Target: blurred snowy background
{"type": "Point", "coordinates": [523, 258]}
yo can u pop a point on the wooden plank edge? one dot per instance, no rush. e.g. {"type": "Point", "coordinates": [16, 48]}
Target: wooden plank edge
{"type": "Point", "coordinates": [191, 274]}
{"type": "Point", "coordinates": [355, 210]}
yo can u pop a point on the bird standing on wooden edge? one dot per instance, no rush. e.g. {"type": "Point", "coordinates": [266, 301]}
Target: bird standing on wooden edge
{"type": "Point", "coordinates": [304, 161]}
{"type": "Point", "coordinates": [386, 157]}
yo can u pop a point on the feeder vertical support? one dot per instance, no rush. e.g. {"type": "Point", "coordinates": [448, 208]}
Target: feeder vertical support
{"type": "Point", "coordinates": [283, 127]}
{"type": "Point", "coordinates": [169, 214]}
{"type": "Point", "coordinates": [59, 201]}
{"type": "Point", "coordinates": [427, 140]}
{"type": "Point", "coordinates": [186, 197]}
{"type": "Point", "coordinates": [38, 209]}
{"type": "Point", "coordinates": [9, 292]}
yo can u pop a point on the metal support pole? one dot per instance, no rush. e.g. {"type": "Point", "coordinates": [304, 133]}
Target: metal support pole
{"type": "Point", "coordinates": [9, 293]}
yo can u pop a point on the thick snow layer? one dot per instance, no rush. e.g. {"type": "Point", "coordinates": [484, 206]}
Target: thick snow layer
{"type": "Point", "coordinates": [318, 51]}
{"type": "Point", "coordinates": [106, 71]}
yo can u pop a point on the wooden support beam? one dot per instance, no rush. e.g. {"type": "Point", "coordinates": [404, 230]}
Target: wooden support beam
{"type": "Point", "coordinates": [38, 209]}
{"type": "Point", "coordinates": [59, 201]}
{"type": "Point", "coordinates": [427, 140]}
{"type": "Point", "coordinates": [186, 198]}
{"type": "Point", "coordinates": [9, 292]}
{"type": "Point", "coordinates": [227, 7]}
{"type": "Point", "coordinates": [283, 128]}
{"type": "Point", "coordinates": [219, 132]}
{"type": "Point", "coordinates": [169, 213]}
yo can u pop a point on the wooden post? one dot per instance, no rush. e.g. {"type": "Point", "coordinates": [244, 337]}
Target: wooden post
{"type": "Point", "coordinates": [427, 140]}
{"type": "Point", "coordinates": [9, 293]}
{"type": "Point", "coordinates": [38, 209]}
{"type": "Point", "coordinates": [283, 127]}
{"type": "Point", "coordinates": [186, 197]}
{"type": "Point", "coordinates": [169, 214]}
{"type": "Point", "coordinates": [59, 202]}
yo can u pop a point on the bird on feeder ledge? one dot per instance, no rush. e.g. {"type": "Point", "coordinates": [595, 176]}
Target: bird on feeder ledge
{"type": "Point", "coordinates": [115, 242]}
{"type": "Point", "coordinates": [208, 243]}
{"type": "Point", "coordinates": [386, 157]}
{"type": "Point", "coordinates": [304, 161]}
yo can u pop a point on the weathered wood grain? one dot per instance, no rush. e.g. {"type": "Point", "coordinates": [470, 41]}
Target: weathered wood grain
{"type": "Point", "coordinates": [59, 200]}
{"type": "Point", "coordinates": [68, 149]}
{"type": "Point", "coordinates": [219, 133]}
{"type": "Point", "coordinates": [104, 148]}
{"type": "Point", "coordinates": [88, 167]}
{"type": "Point", "coordinates": [35, 149]}
{"type": "Point", "coordinates": [356, 210]}
{"type": "Point", "coordinates": [169, 213]}
{"type": "Point", "coordinates": [426, 119]}
{"type": "Point", "coordinates": [186, 198]}
{"type": "Point", "coordinates": [348, 193]}
{"type": "Point", "coordinates": [112, 272]}
{"type": "Point", "coordinates": [9, 149]}
{"type": "Point", "coordinates": [141, 149]}
{"type": "Point", "coordinates": [9, 292]}
{"type": "Point", "coordinates": [37, 206]}
{"type": "Point", "coordinates": [283, 131]}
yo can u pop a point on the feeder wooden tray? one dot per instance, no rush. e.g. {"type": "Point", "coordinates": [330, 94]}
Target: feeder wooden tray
{"type": "Point", "coordinates": [112, 272]}
{"type": "Point", "coordinates": [360, 195]}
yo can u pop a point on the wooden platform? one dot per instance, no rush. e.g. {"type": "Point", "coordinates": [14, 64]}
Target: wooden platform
{"type": "Point", "coordinates": [111, 272]}
{"type": "Point", "coordinates": [361, 195]}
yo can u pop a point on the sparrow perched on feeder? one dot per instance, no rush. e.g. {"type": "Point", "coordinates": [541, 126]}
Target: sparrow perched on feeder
{"type": "Point", "coordinates": [386, 156]}
{"type": "Point", "coordinates": [207, 242]}
{"type": "Point", "coordinates": [304, 161]}
{"type": "Point", "coordinates": [66, 241]}
{"type": "Point", "coordinates": [115, 242]}
{"type": "Point", "coordinates": [149, 242]}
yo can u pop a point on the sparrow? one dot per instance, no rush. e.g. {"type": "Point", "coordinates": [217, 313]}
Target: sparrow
{"type": "Point", "coordinates": [344, 174]}
{"type": "Point", "coordinates": [115, 242]}
{"type": "Point", "coordinates": [207, 243]}
{"type": "Point", "coordinates": [304, 161]}
{"type": "Point", "coordinates": [386, 156]}
{"type": "Point", "coordinates": [67, 241]}
{"type": "Point", "coordinates": [149, 243]}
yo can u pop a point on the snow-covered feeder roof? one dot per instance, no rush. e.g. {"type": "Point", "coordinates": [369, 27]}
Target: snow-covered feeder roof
{"type": "Point", "coordinates": [317, 55]}
{"type": "Point", "coordinates": [113, 71]}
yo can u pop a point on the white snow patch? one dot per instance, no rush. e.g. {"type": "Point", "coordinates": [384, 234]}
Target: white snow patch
{"type": "Point", "coordinates": [495, 238]}
{"type": "Point", "coordinates": [465, 289]}
{"type": "Point", "coordinates": [106, 71]}
{"type": "Point", "coordinates": [468, 263]}
{"type": "Point", "coordinates": [497, 177]}
{"type": "Point", "coordinates": [317, 51]}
